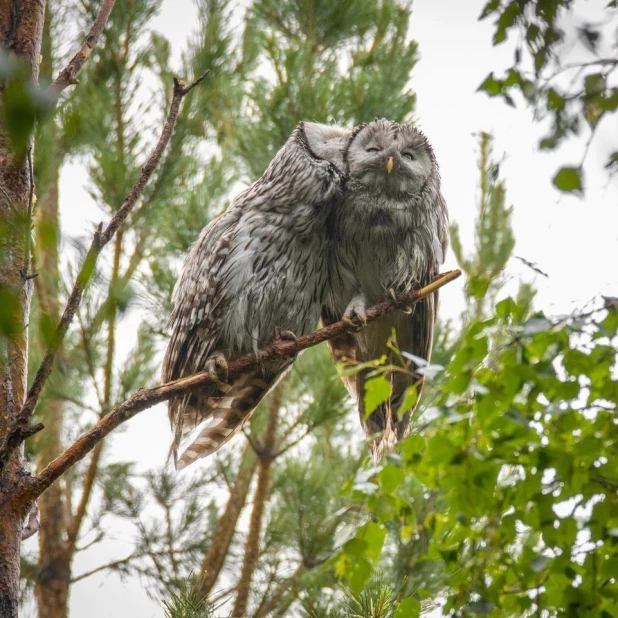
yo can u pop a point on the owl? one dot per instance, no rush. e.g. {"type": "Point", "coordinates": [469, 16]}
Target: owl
{"type": "Point", "coordinates": [256, 270]}
{"type": "Point", "coordinates": [388, 237]}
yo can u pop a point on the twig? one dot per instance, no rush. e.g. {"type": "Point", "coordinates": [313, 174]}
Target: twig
{"type": "Point", "coordinates": [67, 76]}
{"type": "Point", "coordinates": [101, 237]}
{"type": "Point", "coordinates": [134, 556]}
{"type": "Point", "coordinates": [147, 397]}
{"type": "Point", "coordinates": [293, 443]}
{"type": "Point", "coordinates": [254, 445]}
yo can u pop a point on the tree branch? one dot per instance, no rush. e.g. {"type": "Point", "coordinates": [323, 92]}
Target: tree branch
{"type": "Point", "coordinates": [101, 237]}
{"type": "Point", "coordinates": [67, 76]}
{"type": "Point", "coordinates": [147, 397]}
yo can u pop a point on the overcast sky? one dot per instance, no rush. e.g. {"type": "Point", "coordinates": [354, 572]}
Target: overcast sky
{"type": "Point", "coordinates": [575, 242]}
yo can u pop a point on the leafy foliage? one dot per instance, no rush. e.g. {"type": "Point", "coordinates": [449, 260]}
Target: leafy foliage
{"type": "Point", "coordinates": [576, 91]}
{"type": "Point", "coordinates": [520, 458]}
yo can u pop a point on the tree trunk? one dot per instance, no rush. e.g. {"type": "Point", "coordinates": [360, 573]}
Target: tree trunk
{"type": "Point", "coordinates": [54, 562]}
{"type": "Point", "coordinates": [266, 456]}
{"type": "Point", "coordinates": [21, 29]}
{"type": "Point", "coordinates": [226, 525]}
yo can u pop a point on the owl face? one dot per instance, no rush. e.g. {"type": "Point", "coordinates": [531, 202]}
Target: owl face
{"type": "Point", "coordinates": [391, 158]}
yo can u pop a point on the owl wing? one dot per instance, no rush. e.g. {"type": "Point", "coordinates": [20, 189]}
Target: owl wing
{"type": "Point", "coordinates": [203, 295]}
{"type": "Point", "coordinates": [195, 320]}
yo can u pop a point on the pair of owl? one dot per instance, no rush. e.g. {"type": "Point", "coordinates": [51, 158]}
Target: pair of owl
{"type": "Point", "coordinates": [341, 220]}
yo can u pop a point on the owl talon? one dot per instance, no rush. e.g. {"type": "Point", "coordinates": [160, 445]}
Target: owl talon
{"type": "Point", "coordinates": [286, 335]}
{"type": "Point", "coordinates": [355, 315]}
{"type": "Point", "coordinates": [217, 367]}
{"type": "Point", "coordinates": [355, 321]}
{"type": "Point", "coordinates": [401, 306]}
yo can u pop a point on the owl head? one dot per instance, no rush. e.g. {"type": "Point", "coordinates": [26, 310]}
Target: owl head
{"type": "Point", "coordinates": [390, 158]}
{"type": "Point", "coordinates": [326, 141]}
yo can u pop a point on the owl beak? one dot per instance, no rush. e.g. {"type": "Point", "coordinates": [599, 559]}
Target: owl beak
{"type": "Point", "coordinates": [390, 163]}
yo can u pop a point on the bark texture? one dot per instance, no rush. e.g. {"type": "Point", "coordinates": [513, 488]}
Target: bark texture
{"type": "Point", "coordinates": [21, 29]}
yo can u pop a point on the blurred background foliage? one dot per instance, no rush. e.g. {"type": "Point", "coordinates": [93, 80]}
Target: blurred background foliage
{"type": "Point", "coordinates": [502, 502]}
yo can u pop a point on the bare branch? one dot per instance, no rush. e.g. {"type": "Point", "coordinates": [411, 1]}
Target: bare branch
{"type": "Point", "coordinates": [67, 76]}
{"type": "Point", "coordinates": [101, 237]}
{"type": "Point", "coordinates": [130, 558]}
{"type": "Point", "coordinates": [147, 397]}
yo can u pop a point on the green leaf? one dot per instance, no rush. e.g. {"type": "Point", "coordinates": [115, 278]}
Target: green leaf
{"type": "Point", "coordinates": [19, 114]}
{"type": "Point", "coordinates": [555, 100]}
{"type": "Point", "coordinates": [491, 7]}
{"type": "Point", "coordinates": [569, 179]}
{"type": "Point", "coordinates": [377, 391]}
{"type": "Point", "coordinates": [594, 84]}
{"type": "Point", "coordinates": [408, 608]}
{"type": "Point", "coordinates": [391, 477]}
{"type": "Point", "coordinates": [506, 21]}
{"type": "Point", "coordinates": [491, 85]}
{"type": "Point", "coordinates": [374, 535]}
{"type": "Point", "coordinates": [408, 401]}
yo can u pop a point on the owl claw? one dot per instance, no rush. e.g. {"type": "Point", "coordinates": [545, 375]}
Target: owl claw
{"type": "Point", "coordinates": [355, 315]}
{"type": "Point", "coordinates": [356, 320]}
{"type": "Point", "coordinates": [217, 367]}
{"type": "Point", "coordinates": [401, 306]}
{"type": "Point", "coordinates": [285, 335]}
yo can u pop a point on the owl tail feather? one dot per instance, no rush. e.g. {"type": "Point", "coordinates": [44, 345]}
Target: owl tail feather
{"type": "Point", "coordinates": [222, 417]}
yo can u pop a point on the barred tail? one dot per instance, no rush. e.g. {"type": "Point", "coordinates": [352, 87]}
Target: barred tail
{"type": "Point", "coordinates": [219, 418]}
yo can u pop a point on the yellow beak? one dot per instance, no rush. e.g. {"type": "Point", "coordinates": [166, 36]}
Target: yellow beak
{"type": "Point", "coordinates": [390, 164]}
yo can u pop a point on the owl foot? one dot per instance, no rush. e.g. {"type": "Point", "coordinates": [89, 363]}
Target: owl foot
{"type": "Point", "coordinates": [216, 365]}
{"type": "Point", "coordinates": [401, 306]}
{"type": "Point", "coordinates": [355, 315]}
{"type": "Point", "coordinates": [285, 335]}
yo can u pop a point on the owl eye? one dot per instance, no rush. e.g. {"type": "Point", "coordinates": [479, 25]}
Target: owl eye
{"type": "Point", "coordinates": [373, 150]}
{"type": "Point", "coordinates": [408, 155]}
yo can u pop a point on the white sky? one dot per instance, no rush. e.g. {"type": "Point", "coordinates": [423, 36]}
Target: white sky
{"type": "Point", "coordinates": [574, 241]}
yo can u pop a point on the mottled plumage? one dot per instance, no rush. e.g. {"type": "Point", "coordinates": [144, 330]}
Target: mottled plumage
{"type": "Point", "coordinates": [389, 236]}
{"type": "Point", "coordinates": [259, 265]}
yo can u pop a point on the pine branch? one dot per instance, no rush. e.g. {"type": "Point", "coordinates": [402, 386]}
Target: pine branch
{"type": "Point", "coordinates": [67, 76]}
{"type": "Point", "coordinates": [129, 559]}
{"type": "Point", "coordinates": [147, 397]}
{"type": "Point", "coordinates": [20, 429]}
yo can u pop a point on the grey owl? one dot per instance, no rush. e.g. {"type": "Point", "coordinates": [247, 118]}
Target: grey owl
{"type": "Point", "coordinates": [389, 236]}
{"type": "Point", "coordinates": [258, 267]}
